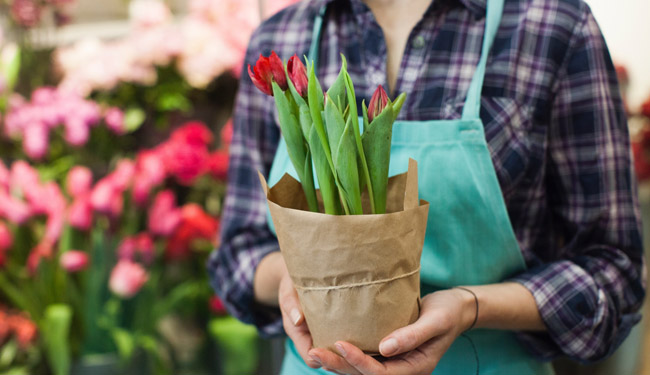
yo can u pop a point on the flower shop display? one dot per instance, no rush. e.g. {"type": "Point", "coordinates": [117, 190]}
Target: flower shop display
{"type": "Point", "coordinates": [372, 230]}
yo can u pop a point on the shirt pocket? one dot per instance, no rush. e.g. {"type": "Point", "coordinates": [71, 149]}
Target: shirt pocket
{"type": "Point", "coordinates": [515, 141]}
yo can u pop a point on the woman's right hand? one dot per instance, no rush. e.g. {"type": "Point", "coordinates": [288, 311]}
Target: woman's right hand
{"type": "Point", "coordinates": [294, 321]}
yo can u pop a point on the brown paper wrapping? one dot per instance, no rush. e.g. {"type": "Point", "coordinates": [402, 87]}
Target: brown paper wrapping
{"type": "Point", "coordinates": [357, 277]}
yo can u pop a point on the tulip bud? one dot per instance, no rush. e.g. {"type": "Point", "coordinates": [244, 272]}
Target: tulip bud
{"type": "Point", "coordinates": [378, 102]}
{"type": "Point", "coordinates": [74, 261]}
{"type": "Point", "coordinates": [298, 75]}
{"type": "Point", "coordinates": [79, 181]}
{"type": "Point", "coordinates": [267, 70]}
{"type": "Point", "coordinates": [127, 278]}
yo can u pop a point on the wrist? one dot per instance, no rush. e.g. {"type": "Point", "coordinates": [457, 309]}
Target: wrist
{"type": "Point", "coordinates": [468, 308]}
{"type": "Point", "coordinates": [268, 275]}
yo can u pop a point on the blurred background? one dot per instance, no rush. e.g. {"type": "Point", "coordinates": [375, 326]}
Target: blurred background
{"type": "Point", "coordinates": [114, 134]}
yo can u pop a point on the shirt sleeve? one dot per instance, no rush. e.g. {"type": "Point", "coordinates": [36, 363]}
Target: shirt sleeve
{"type": "Point", "coordinates": [589, 294]}
{"type": "Point", "coordinates": [245, 238]}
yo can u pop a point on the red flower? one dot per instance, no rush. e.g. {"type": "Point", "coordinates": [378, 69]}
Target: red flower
{"type": "Point", "coordinates": [226, 134]}
{"type": "Point", "coordinates": [194, 133]}
{"type": "Point", "coordinates": [74, 261]}
{"type": "Point", "coordinates": [185, 161]}
{"type": "Point", "coordinates": [42, 250]}
{"type": "Point", "coordinates": [267, 70]}
{"type": "Point", "coordinates": [216, 306]}
{"type": "Point", "coordinates": [378, 102]}
{"type": "Point", "coordinates": [79, 181]}
{"type": "Point", "coordinates": [298, 75]}
{"type": "Point", "coordinates": [196, 224]}
{"type": "Point", "coordinates": [140, 245]}
{"type": "Point", "coordinates": [127, 278]}
{"type": "Point", "coordinates": [6, 239]}
{"type": "Point", "coordinates": [218, 164]}
{"type": "Point", "coordinates": [80, 213]}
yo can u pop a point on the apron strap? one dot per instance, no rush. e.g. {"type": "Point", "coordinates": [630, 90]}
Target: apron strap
{"type": "Point", "coordinates": [472, 106]}
{"type": "Point", "coordinates": [315, 36]}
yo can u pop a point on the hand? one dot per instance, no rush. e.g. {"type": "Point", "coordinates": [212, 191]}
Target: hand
{"type": "Point", "coordinates": [414, 349]}
{"type": "Point", "coordinates": [294, 321]}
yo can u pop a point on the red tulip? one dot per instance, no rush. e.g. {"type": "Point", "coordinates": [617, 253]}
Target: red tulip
{"type": "Point", "coordinates": [103, 195]}
{"type": "Point", "coordinates": [267, 70]}
{"type": "Point", "coordinates": [42, 250]}
{"type": "Point", "coordinates": [184, 161]}
{"type": "Point", "coordinates": [13, 209]}
{"type": "Point", "coordinates": [123, 174]}
{"type": "Point", "coordinates": [196, 224]}
{"type": "Point", "coordinates": [138, 246]}
{"type": "Point", "coordinates": [298, 75]}
{"type": "Point", "coordinates": [378, 102]}
{"type": "Point", "coordinates": [216, 306]}
{"type": "Point", "coordinates": [74, 261]}
{"type": "Point", "coordinates": [127, 278]}
{"type": "Point", "coordinates": [79, 181]}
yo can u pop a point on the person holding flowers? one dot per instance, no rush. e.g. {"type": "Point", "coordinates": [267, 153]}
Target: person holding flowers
{"type": "Point", "coordinates": [533, 246]}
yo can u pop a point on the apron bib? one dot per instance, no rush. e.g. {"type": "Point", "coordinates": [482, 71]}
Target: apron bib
{"type": "Point", "coordinates": [469, 239]}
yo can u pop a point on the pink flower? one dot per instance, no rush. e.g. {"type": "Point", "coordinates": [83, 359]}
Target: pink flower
{"type": "Point", "coordinates": [141, 188]}
{"type": "Point", "coordinates": [114, 119]}
{"type": "Point", "coordinates": [218, 164]}
{"type": "Point", "coordinates": [123, 174]}
{"type": "Point", "coordinates": [13, 209]}
{"type": "Point", "coordinates": [185, 162]}
{"type": "Point", "coordinates": [226, 134]}
{"type": "Point", "coordinates": [138, 246]}
{"type": "Point", "coordinates": [150, 165]}
{"type": "Point", "coordinates": [102, 196]}
{"type": "Point", "coordinates": [79, 181]}
{"type": "Point", "coordinates": [36, 138]}
{"type": "Point", "coordinates": [127, 278]}
{"type": "Point", "coordinates": [194, 133]}
{"type": "Point", "coordinates": [4, 177]}
{"type": "Point", "coordinates": [26, 13]}
{"type": "Point", "coordinates": [163, 214]}
{"type": "Point", "coordinates": [80, 213]}
{"type": "Point", "coordinates": [6, 239]}
{"type": "Point", "coordinates": [74, 261]}
{"type": "Point", "coordinates": [77, 131]}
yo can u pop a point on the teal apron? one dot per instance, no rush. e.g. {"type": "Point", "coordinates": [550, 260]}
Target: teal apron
{"type": "Point", "coordinates": [469, 239]}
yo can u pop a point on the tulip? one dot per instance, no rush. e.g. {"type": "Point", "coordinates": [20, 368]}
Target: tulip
{"type": "Point", "coordinates": [298, 75]}
{"type": "Point", "coordinates": [42, 250]}
{"type": "Point", "coordinates": [77, 131]}
{"type": "Point", "coordinates": [218, 164]}
{"type": "Point", "coordinates": [36, 140]}
{"type": "Point", "coordinates": [196, 224]}
{"type": "Point", "coordinates": [151, 166]}
{"type": "Point", "coordinates": [226, 134]}
{"type": "Point", "coordinates": [79, 181]}
{"type": "Point", "coordinates": [102, 196]}
{"type": "Point", "coordinates": [127, 278]}
{"type": "Point", "coordinates": [267, 70]}
{"type": "Point", "coordinates": [378, 102]}
{"type": "Point", "coordinates": [114, 119]}
{"type": "Point", "coordinates": [13, 209]}
{"type": "Point", "coordinates": [4, 177]}
{"type": "Point", "coordinates": [164, 216]}
{"type": "Point", "coordinates": [140, 245]}
{"type": "Point", "coordinates": [123, 174]}
{"type": "Point", "coordinates": [6, 239]}
{"type": "Point", "coordinates": [74, 261]}
{"type": "Point", "coordinates": [194, 133]}
{"type": "Point", "coordinates": [80, 213]}
{"type": "Point", "coordinates": [216, 306]}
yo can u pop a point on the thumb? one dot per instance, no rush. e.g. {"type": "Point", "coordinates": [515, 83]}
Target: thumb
{"type": "Point", "coordinates": [412, 336]}
{"type": "Point", "coordinates": [289, 303]}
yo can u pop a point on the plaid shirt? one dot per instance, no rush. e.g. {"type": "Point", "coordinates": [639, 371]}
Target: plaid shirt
{"type": "Point", "coordinates": [555, 127]}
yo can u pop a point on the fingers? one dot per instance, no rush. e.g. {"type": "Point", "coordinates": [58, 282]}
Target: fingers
{"type": "Point", "coordinates": [294, 321]}
{"type": "Point", "coordinates": [430, 324]}
{"type": "Point", "coordinates": [362, 362]}
{"type": "Point", "coordinates": [332, 362]}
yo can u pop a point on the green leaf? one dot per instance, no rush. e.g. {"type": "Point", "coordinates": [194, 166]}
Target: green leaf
{"type": "Point", "coordinates": [133, 119]}
{"type": "Point", "coordinates": [337, 91]}
{"type": "Point", "coordinates": [315, 100]}
{"type": "Point", "coordinates": [357, 135]}
{"type": "Point", "coordinates": [10, 64]}
{"type": "Point", "coordinates": [173, 101]}
{"type": "Point", "coordinates": [8, 352]}
{"type": "Point", "coordinates": [347, 170]}
{"type": "Point", "coordinates": [326, 180]}
{"type": "Point", "coordinates": [56, 331]}
{"type": "Point", "coordinates": [125, 343]}
{"type": "Point", "coordinates": [397, 105]}
{"type": "Point", "coordinates": [335, 125]}
{"type": "Point", "coordinates": [376, 143]}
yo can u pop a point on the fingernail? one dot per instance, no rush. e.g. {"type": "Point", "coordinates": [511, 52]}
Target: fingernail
{"type": "Point", "coordinates": [295, 316]}
{"type": "Point", "coordinates": [316, 359]}
{"type": "Point", "coordinates": [342, 351]}
{"type": "Point", "coordinates": [388, 347]}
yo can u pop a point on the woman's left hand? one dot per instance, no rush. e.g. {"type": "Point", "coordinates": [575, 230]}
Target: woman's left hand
{"type": "Point", "coordinates": [414, 349]}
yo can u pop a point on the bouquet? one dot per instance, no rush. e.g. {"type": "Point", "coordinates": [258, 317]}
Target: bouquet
{"type": "Point", "coordinates": [355, 263]}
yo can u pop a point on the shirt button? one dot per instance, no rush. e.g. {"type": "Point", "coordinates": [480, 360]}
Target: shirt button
{"type": "Point", "coordinates": [418, 42]}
